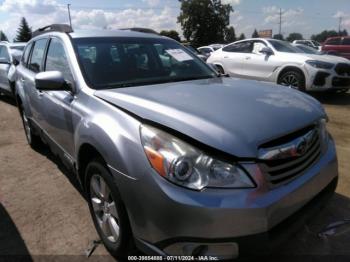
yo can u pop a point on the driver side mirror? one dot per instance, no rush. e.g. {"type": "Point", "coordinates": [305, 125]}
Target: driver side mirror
{"type": "Point", "coordinates": [266, 50]}
{"type": "Point", "coordinates": [51, 81]}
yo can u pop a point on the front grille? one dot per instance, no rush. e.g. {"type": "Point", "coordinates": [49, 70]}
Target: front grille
{"type": "Point", "coordinates": [343, 69]}
{"type": "Point", "coordinates": [282, 171]}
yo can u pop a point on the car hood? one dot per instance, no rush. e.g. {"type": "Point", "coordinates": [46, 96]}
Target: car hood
{"type": "Point", "coordinates": [329, 58]}
{"type": "Point", "coordinates": [231, 115]}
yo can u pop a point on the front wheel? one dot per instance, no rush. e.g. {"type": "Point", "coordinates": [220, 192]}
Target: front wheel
{"type": "Point", "coordinates": [108, 211]}
{"type": "Point", "coordinates": [294, 79]}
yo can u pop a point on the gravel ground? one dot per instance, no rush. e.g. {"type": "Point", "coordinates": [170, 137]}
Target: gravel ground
{"type": "Point", "coordinates": [42, 214]}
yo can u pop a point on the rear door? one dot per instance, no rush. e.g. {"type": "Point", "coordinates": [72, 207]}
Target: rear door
{"type": "Point", "coordinates": [5, 63]}
{"type": "Point", "coordinates": [234, 58]}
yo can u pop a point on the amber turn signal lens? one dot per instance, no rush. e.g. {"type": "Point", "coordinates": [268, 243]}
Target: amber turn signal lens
{"type": "Point", "coordinates": [156, 160]}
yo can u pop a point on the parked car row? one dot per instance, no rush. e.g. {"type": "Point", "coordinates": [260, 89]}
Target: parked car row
{"type": "Point", "coordinates": [163, 170]}
{"type": "Point", "coordinates": [283, 63]}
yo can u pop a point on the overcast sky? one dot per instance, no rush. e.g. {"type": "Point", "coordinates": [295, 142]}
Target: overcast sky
{"type": "Point", "coordinates": [304, 16]}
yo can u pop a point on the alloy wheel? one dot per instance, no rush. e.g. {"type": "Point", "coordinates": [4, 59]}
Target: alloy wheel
{"type": "Point", "coordinates": [290, 80]}
{"type": "Point", "coordinates": [104, 208]}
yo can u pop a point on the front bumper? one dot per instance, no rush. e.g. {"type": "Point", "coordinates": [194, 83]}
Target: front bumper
{"type": "Point", "coordinates": [163, 215]}
{"type": "Point", "coordinates": [322, 79]}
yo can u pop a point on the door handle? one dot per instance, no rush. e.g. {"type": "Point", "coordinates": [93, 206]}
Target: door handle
{"type": "Point", "coordinates": [22, 79]}
{"type": "Point", "coordinates": [248, 58]}
{"type": "Point", "coordinates": [225, 56]}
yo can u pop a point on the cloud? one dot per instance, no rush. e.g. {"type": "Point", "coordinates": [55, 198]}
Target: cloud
{"type": "Point", "coordinates": [29, 6]}
{"type": "Point", "coordinates": [345, 24]}
{"type": "Point", "coordinates": [152, 2]}
{"type": "Point", "coordinates": [290, 17]}
{"type": "Point", "coordinates": [97, 19]}
{"type": "Point", "coordinates": [231, 2]}
{"type": "Point", "coordinates": [45, 12]}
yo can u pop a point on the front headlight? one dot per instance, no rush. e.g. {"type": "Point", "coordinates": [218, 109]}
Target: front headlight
{"type": "Point", "coordinates": [188, 166]}
{"type": "Point", "coordinates": [320, 64]}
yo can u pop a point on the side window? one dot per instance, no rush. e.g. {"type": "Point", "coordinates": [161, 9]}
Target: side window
{"type": "Point", "coordinates": [26, 54]}
{"type": "Point", "coordinates": [334, 41]}
{"type": "Point", "coordinates": [36, 58]}
{"type": "Point", "coordinates": [56, 59]}
{"type": "Point", "coordinates": [242, 47]}
{"type": "Point", "coordinates": [4, 55]}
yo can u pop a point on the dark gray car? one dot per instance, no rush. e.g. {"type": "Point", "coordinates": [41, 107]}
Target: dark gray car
{"type": "Point", "coordinates": [173, 158]}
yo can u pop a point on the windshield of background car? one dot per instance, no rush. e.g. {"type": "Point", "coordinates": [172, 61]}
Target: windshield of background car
{"type": "Point", "coordinates": [282, 46]}
{"type": "Point", "coordinates": [112, 62]}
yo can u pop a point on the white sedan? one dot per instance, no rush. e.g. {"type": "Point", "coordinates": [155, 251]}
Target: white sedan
{"type": "Point", "coordinates": [280, 62]}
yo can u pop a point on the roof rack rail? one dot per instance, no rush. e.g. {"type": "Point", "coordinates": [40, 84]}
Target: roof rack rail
{"type": "Point", "coordinates": [53, 28]}
{"type": "Point", "coordinates": [141, 30]}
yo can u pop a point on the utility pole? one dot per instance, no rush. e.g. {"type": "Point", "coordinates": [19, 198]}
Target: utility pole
{"type": "Point", "coordinates": [280, 22]}
{"type": "Point", "coordinates": [340, 21]}
{"type": "Point", "coordinates": [70, 20]}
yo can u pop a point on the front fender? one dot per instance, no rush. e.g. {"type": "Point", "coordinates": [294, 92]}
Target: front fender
{"type": "Point", "coordinates": [115, 135]}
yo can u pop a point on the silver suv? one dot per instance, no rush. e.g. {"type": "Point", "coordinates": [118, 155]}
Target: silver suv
{"type": "Point", "coordinates": [174, 159]}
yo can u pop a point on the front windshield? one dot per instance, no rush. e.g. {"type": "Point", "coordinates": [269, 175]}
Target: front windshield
{"type": "Point", "coordinates": [308, 50]}
{"type": "Point", "coordinates": [113, 62]}
{"type": "Point", "coordinates": [282, 46]}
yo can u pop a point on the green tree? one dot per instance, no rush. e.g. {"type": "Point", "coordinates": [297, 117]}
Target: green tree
{"type": "Point", "coordinates": [321, 37]}
{"type": "Point", "coordinates": [241, 37]}
{"type": "Point", "coordinates": [204, 21]}
{"type": "Point", "coordinates": [3, 37]}
{"type": "Point", "coordinates": [294, 36]}
{"type": "Point", "coordinates": [172, 34]}
{"type": "Point", "coordinates": [255, 34]}
{"type": "Point", "coordinates": [24, 32]}
{"type": "Point", "coordinates": [278, 36]}
{"type": "Point", "coordinates": [230, 35]}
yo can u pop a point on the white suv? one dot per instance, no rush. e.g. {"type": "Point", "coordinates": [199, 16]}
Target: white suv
{"type": "Point", "coordinates": [280, 62]}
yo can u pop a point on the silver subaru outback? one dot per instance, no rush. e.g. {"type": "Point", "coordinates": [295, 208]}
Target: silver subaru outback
{"type": "Point", "coordinates": [174, 158]}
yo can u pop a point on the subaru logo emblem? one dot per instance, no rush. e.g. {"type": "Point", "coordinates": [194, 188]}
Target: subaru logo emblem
{"type": "Point", "coordinates": [301, 147]}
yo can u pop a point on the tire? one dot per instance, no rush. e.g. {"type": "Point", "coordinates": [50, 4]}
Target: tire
{"type": "Point", "coordinates": [292, 78]}
{"type": "Point", "coordinates": [33, 140]}
{"type": "Point", "coordinates": [220, 69]}
{"type": "Point", "coordinates": [108, 211]}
